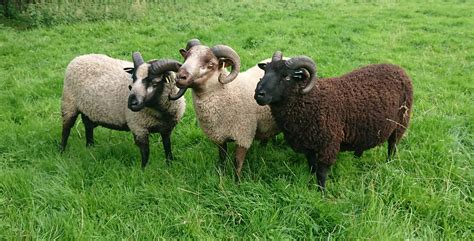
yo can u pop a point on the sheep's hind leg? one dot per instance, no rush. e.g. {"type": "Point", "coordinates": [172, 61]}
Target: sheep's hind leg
{"type": "Point", "coordinates": [143, 144]}
{"type": "Point", "coordinates": [392, 145]}
{"type": "Point", "coordinates": [358, 153]}
{"type": "Point", "coordinates": [222, 154]}
{"type": "Point", "coordinates": [240, 153]}
{"type": "Point", "coordinates": [68, 122]}
{"type": "Point", "coordinates": [89, 126]}
{"type": "Point", "coordinates": [311, 157]}
{"type": "Point", "coordinates": [319, 169]}
{"type": "Point", "coordinates": [166, 139]}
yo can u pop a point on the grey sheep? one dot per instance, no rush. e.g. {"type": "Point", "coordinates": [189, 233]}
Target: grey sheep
{"type": "Point", "coordinates": [99, 88]}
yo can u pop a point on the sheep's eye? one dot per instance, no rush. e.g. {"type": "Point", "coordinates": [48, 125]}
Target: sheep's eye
{"type": "Point", "coordinates": [155, 83]}
{"type": "Point", "coordinates": [210, 65]}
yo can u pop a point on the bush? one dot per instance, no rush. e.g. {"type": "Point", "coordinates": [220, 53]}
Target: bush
{"type": "Point", "coordinates": [37, 14]}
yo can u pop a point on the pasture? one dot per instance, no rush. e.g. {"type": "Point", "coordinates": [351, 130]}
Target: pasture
{"type": "Point", "coordinates": [425, 192]}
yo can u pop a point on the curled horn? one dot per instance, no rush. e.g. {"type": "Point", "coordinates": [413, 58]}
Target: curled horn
{"type": "Point", "coordinates": [137, 59]}
{"type": "Point", "coordinates": [178, 95]}
{"type": "Point", "coordinates": [161, 66]}
{"type": "Point", "coordinates": [277, 56]}
{"type": "Point", "coordinates": [223, 51]}
{"type": "Point", "coordinates": [193, 42]}
{"type": "Point", "coordinates": [305, 63]}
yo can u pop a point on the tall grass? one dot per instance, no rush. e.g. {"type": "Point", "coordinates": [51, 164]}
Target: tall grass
{"type": "Point", "coordinates": [50, 13]}
{"type": "Point", "coordinates": [102, 193]}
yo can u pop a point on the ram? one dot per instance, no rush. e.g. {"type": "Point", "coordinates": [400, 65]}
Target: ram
{"type": "Point", "coordinates": [99, 89]}
{"type": "Point", "coordinates": [223, 101]}
{"type": "Point", "coordinates": [353, 112]}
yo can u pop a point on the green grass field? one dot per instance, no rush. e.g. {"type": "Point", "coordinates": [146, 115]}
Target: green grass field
{"type": "Point", "coordinates": [425, 192]}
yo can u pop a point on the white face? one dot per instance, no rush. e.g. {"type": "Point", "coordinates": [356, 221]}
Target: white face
{"type": "Point", "coordinates": [199, 66]}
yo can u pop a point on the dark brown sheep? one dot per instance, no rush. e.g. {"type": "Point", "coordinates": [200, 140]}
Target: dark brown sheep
{"type": "Point", "coordinates": [320, 117]}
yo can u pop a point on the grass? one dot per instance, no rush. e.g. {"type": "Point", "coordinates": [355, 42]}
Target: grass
{"type": "Point", "coordinates": [101, 192]}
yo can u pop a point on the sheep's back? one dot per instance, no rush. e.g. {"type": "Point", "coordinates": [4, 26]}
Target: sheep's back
{"type": "Point", "coordinates": [359, 110]}
{"type": "Point", "coordinates": [98, 86]}
{"type": "Point", "coordinates": [369, 101]}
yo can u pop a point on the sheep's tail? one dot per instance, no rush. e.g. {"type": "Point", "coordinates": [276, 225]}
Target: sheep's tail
{"type": "Point", "coordinates": [406, 101]}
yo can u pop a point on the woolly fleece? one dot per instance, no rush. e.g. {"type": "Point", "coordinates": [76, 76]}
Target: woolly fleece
{"type": "Point", "coordinates": [97, 86]}
{"type": "Point", "coordinates": [353, 112]}
{"type": "Point", "coordinates": [229, 112]}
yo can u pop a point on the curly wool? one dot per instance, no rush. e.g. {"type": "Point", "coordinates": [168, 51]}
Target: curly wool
{"type": "Point", "coordinates": [97, 86]}
{"type": "Point", "coordinates": [353, 112]}
{"type": "Point", "coordinates": [229, 112]}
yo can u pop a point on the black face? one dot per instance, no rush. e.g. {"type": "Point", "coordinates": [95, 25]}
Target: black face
{"type": "Point", "coordinates": [277, 79]}
{"type": "Point", "coordinates": [145, 87]}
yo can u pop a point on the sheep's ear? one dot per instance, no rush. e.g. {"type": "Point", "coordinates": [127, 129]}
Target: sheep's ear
{"type": "Point", "coordinates": [129, 70]}
{"type": "Point", "coordinates": [262, 65]}
{"type": "Point", "coordinates": [301, 74]}
{"type": "Point", "coordinates": [183, 52]}
{"type": "Point", "coordinates": [225, 62]}
{"type": "Point", "coordinates": [169, 76]}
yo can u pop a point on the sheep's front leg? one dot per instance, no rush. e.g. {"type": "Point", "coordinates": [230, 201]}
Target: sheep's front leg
{"type": "Point", "coordinates": [143, 144]}
{"type": "Point", "coordinates": [240, 153]}
{"type": "Point", "coordinates": [321, 175]}
{"type": "Point", "coordinates": [326, 157]}
{"type": "Point", "coordinates": [165, 138]}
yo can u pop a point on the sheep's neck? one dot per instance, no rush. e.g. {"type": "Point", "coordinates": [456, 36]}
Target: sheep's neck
{"type": "Point", "coordinates": [283, 110]}
{"type": "Point", "coordinates": [210, 85]}
{"type": "Point", "coordinates": [161, 103]}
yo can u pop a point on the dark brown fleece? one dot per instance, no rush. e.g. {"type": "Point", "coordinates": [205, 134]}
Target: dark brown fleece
{"type": "Point", "coordinates": [353, 112]}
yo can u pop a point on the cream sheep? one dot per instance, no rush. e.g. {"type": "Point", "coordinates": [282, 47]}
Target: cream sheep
{"type": "Point", "coordinates": [226, 110]}
{"type": "Point", "coordinates": [97, 87]}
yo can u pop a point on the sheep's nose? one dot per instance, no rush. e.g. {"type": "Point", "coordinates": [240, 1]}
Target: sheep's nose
{"type": "Point", "coordinates": [260, 94]}
{"type": "Point", "coordinates": [132, 100]}
{"type": "Point", "coordinates": [182, 76]}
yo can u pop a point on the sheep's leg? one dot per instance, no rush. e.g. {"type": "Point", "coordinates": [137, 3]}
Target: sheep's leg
{"type": "Point", "coordinates": [68, 122]}
{"type": "Point", "coordinates": [165, 138]}
{"type": "Point", "coordinates": [326, 157]}
{"type": "Point", "coordinates": [143, 144]}
{"type": "Point", "coordinates": [392, 145]}
{"type": "Point", "coordinates": [311, 157]}
{"type": "Point", "coordinates": [321, 175]}
{"type": "Point", "coordinates": [222, 153]}
{"type": "Point", "coordinates": [89, 126]}
{"type": "Point", "coordinates": [240, 153]}
{"type": "Point", "coordinates": [358, 153]}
